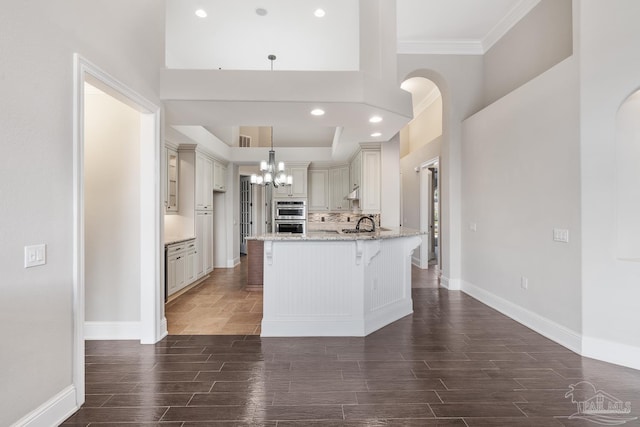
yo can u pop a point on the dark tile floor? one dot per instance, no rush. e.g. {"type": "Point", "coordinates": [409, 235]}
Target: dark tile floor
{"type": "Point", "coordinates": [454, 362]}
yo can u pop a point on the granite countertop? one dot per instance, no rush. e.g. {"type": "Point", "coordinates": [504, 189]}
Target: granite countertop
{"type": "Point", "coordinates": [172, 240]}
{"type": "Point", "coordinates": [333, 232]}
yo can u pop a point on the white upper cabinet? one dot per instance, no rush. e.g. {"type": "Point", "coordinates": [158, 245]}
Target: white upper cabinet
{"type": "Point", "coordinates": [171, 185]}
{"type": "Point", "coordinates": [318, 190]}
{"type": "Point", "coordinates": [204, 182]}
{"type": "Point", "coordinates": [339, 188]}
{"type": "Point", "coordinates": [298, 189]}
{"type": "Point", "coordinates": [367, 175]}
{"type": "Point", "coordinates": [219, 177]}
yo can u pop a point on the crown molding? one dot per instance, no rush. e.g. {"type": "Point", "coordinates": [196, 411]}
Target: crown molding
{"type": "Point", "coordinates": [427, 101]}
{"type": "Point", "coordinates": [470, 47]}
{"type": "Point", "coordinates": [444, 47]}
{"type": "Point", "coordinates": [514, 16]}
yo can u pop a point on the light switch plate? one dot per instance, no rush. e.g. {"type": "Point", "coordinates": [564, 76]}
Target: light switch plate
{"type": "Point", "coordinates": [35, 255]}
{"type": "Point", "coordinates": [561, 235]}
{"type": "Point", "coordinates": [473, 227]}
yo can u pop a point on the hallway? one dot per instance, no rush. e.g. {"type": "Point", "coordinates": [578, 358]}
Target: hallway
{"type": "Point", "coordinates": [453, 362]}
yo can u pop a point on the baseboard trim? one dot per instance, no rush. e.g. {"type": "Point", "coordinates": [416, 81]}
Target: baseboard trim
{"type": "Point", "coordinates": [611, 352]}
{"type": "Point", "coordinates": [53, 412]}
{"type": "Point", "coordinates": [111, 330]}
{"type": "Point", "coordinates": [451, 284]}
{"type": "Point", "coordinates": [546, 327]}
{"type": "Point", "coordinates": [233, 262]}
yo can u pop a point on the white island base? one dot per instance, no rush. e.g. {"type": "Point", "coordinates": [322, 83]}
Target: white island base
{"type": "Point", "coordinates": [336, 287]}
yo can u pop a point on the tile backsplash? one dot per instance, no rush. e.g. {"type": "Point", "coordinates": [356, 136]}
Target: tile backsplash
{"type": "Point", "coordinates": [338, 217]}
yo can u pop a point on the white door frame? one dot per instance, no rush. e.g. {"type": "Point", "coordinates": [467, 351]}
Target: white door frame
{"type": "Point", "coordinates": [153, 325]}
{"type": "Point", "coordinates": [425, 214]}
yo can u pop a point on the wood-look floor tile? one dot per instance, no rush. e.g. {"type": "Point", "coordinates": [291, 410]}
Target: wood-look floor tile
{"type": "Point", "coordinates": [513, 422]}
{"type": "Point", "coordinates": [300, 412]}
{"type": "Point", "coordinates": [139, 414]}
{"type": "Point", "coordinates": [203, 413]}
{"type": "Point", "coordinates": [245, 399]}
{"type": "Point", "coordinates": [148, 399]}
{"type": "Point", "coordinates": [383, 411]}
{"type": "Point", "coordinates": [316, 398]}
{"type": "Point", "coordinates": [472, 409]}
{"type": "Point", "coordinates": [472, 365]}
{"type": "Point", "coordinates": [397, 396]}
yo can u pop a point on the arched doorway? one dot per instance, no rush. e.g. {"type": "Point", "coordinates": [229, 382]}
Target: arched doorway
{"type": "Point", "coordinates": [420, 152]}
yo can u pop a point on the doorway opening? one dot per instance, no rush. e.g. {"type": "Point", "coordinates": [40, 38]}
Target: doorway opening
{"type": "Point", "coordinates": [127, 207]}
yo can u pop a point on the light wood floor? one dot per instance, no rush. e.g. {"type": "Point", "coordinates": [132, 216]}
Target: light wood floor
{"type": "Point", "coordinates": [221, 306]}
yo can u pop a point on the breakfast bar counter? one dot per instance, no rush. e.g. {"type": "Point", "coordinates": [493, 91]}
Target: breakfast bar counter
{"type": "Point", "coordinates": [331, 283]}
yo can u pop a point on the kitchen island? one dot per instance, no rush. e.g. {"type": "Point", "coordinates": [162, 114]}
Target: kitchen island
{"type": "Point", "coordinates": [330, 283]}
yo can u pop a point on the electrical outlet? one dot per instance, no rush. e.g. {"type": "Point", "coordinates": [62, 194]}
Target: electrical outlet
{"type": "Point", "coordinates": [473, 227]}
{"type": "Point", "coordinates": [524, 283]}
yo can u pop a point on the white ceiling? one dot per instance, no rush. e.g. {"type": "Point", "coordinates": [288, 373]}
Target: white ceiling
{"type": "Point", "coordinates": [234, 36]}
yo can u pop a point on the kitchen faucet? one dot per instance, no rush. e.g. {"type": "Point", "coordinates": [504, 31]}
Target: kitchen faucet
{"type": "Point", "coordinates": [370, 218]}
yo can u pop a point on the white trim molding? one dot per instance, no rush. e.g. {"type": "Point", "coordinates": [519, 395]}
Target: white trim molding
{"type": "Point", "coordinates": [611, 352]}
{"type": "Point", "coordinates": [469, 47]}
{"type": "Point", "coordinates": [443, 47]}
{"type": "Point", "coordinates": [53, 412]}
{"type": "Point", "coordinates": [546, 327]}
{"type": "Point", "coordinates": [112, 330]}
{"type": "Point", "coordinates": [450, 284]}
{"type": "Point", "coordinates": [514, 16]}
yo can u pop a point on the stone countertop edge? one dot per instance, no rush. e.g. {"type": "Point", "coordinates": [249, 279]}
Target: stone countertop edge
{"type": "Point", "coordinates": [173, 240]}
{"type": "Point", "coordinates": [311, 235]}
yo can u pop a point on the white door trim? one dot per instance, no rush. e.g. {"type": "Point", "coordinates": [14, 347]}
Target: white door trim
{"type": "Point", "coordinates": [152, 322]}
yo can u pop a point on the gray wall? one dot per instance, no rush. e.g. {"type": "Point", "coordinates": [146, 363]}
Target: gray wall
{"type": "Point", "coordinates": [520, 180]}
{"type": "Point", "coordinates": [38, 41]}
{"type": "Point", "coordinates": [536, 43]}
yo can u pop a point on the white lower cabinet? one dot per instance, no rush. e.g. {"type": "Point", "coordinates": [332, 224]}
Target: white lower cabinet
{"type": "Point", "coordinates": [204, 243]}
{"type": "Point", "coordinates": [180, 265]}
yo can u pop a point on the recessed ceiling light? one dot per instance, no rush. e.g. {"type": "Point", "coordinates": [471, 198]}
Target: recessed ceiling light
{"type": "Point", "coordinates": [375, 119]}
{"type": "Point", "coordinates": [319, 13]}
{"type": "Point", "coordinates": [261, 11]}
{"type": "Point", "coordinates": [376, 134]}
{"type": "Point", "coordinates": [201, 13]}
{"type": "Point", "coordinates": [317, 112]}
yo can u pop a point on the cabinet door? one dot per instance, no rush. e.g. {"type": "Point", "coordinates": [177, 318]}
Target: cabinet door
{"type": "Point", "coordinates": [200, 224]}
{"type": "Point", "coordinates": [299, 186]}
{"type": "Point", "coordinates": [171, 275]}
{"type": "Point", "coordinates": [204, 182]}
{"type": "Point", "coordinates": [208, 243]}
{"type": "Point", "coordinates": [180, 264]}
{"type": "Point", "coordinates": [204, 243]}
{"type": "Point", "coordinates": [356, 169]}
{"type": "Point", "coordinates": [191, 262]}
{"type": "Point", "coordinates": [219, 177]}
{"type": "Point", "coordinates": [370, 189]}
{"type": "Point", "coordinates": [339, 188]}
{"type": "Point", "coordinates": [172, 180]}
{"type": "Point", "coordinates": [319, 190]}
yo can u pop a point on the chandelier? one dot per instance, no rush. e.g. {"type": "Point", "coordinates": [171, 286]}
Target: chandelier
{"type": "Point", "coordinates": [271, 172]}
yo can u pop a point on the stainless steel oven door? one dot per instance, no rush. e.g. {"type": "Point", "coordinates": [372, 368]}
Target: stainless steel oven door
{"type": "Point", "coordinates": [294, 227]}
{"type": "Point", "coordinates": [290, 209]}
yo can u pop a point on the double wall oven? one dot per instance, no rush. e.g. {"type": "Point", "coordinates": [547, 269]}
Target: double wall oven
{"type": "Point", "coordinates": [290, 216]}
